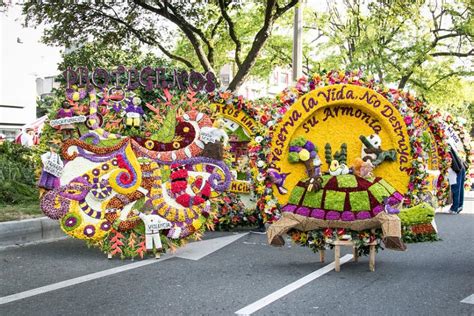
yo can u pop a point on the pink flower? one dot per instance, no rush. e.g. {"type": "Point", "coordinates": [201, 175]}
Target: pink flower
{"type": "Point", "coordinates": [408, 120]}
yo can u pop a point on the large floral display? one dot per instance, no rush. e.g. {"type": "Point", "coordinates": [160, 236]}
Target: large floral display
{"type": "Point", "coordinates": [352, 159]}
{"type": "Point", "coordinates": [132, 168]}
{"type": "Point", "coordinates": [138, 161]}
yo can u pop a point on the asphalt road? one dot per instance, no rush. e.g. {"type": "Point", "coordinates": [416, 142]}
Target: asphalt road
{"type": "Point", "coordinates": [428, 279]}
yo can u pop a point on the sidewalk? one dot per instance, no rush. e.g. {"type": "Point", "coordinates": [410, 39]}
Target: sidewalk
{"type": "Point", "coordinates": [29, 230]}
{"type": "Point", "coordinates": [468, 204]}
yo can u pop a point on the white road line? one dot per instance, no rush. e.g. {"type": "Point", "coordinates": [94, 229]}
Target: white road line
{"type": "Point", "coordinates": [468, 300]}
{"type": "Point", "coordinates": [252, 308]}
{"type": "Point", "coordinates": [78, 280]}
{"type": "Point", "coordinates": [192, 251]}
{"type": "Point", "coordinates": [200, 249]}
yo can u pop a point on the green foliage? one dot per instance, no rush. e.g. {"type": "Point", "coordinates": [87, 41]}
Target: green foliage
{"type": "Point", "coordinates": [13, 192]}
{"type": "Point", "coordinates": [166, 133]}
{"type": "Point", "coordinates": [409, 237]}
{"type": "Point", "coordinates": [359, 201]}
{"type": "Point", "coordinates": [341, 155]}
{"type": "Point", "coordinates": [207, 35]}
{"type": "Point", "coordinates": [328, 153]}
{"type": "Point", "coordinates": [379, 192]}
{"type": "Point", "coordinates": [346, 181]}
{"type": "Point", "coordinates": [313, 199]}
{"type": "Point", "coordinates": [420, 214]}
{"type": "Point", "coordinates": [334, 200]}
{"type": "Point", "coordinates": [296, 195]}
{"type": "Point", "coordinates": [17, 163]}
{"type": "Point", "coordinates": [293, 157]}
{"type": "Point", "coordinates": [299, 141]}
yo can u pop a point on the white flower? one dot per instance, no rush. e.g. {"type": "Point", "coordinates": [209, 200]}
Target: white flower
{"type": "Point", "coordinates": [258, 139]}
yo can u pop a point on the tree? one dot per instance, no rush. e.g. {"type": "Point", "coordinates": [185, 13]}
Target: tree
{"type": "Point", "coordinates": [425, 46]}
{"type": "Point", "coordinates": [303, 150]}
{"type": "Point", "coordinates": [395, 39]}
{"type": "Point", "coordinates": [155, 23]}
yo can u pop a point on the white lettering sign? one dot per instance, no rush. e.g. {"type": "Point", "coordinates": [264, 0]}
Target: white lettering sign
{"type": "Point", "coordinates": [454, 140]}
{"type": "Point", "coordinates": [53, 168]}
{"type": "Point", "coordinates": [68, 120]}
{"type": "Point", "coordinates": [159, 226]}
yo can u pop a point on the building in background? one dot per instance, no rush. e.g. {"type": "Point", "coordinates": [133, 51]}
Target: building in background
{"type": "Point", "coordinates": [26, 69]}
{"type": "Point", "coordinates": [254, 88]}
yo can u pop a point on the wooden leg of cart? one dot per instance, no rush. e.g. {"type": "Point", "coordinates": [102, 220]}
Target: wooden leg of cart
{"type": "Point", "coordinates": [337, 254]}
{"type": "Point", "coordinates": [355, 254]}
{"type": "Point", "coordinates": [372, 258]}
{"type": "Point", "coordinates": [321, 255]}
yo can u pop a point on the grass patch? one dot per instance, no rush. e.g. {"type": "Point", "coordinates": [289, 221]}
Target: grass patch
{"type": "Point", "coordinates": [9, 212]}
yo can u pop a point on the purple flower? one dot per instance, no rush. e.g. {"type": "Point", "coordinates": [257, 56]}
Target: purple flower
{"type": "Point", "coordinates": [318, 213]}
{"type": "Point", "coordinates": [333, 216]}
{"type": "Point", "coordinates": [398, 196]}
{"type": "Point", "coordinates": [309, 146]}
{"type": "Point", "coordinates": [348, 216]}
{"type": "Point", "coordinates": [71, 221]}
{"type": "Point", "coordinates": [304, 211]}
{"type": "Point", "coordinates": [289, 208]}
{"type": "Point", "coordinates": [377, 209]}
{"type": "Point", "coordinates": [295, 148]}
{"type": "Point", "coordinates": [105, 226]}
{"type": "Point", "coordinates": [89, 230]}
{"type": "Point", "coordinates": [363, 215]}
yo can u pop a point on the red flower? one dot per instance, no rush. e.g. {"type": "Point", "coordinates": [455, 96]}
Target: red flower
{"type": "Point", "coordinates": [328, 232]}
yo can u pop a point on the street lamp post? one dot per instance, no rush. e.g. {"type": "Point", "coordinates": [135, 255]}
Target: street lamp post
{"type": "Point", "coordinates": [298, 42]}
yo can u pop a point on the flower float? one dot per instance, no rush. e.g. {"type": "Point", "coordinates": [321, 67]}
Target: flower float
{"type": "Point", "coordinates": [384, 136]}
{"type": "Point", "coordinates": [139, 177]}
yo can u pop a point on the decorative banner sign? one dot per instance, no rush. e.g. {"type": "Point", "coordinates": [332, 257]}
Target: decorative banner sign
{"type": "Point", "coordinates": [238, 186]}
{"type": "Point", "coordinates": [454, 141]}
{"type": "Point", "coordinates": [53, 168]}
{"type": "Point", "coordinates": [248, 124]}
{"type": "Point", "coordinates": [337, 115]}
{"type": "Point", "coordinates": [148, 77]}
{"type": "Point", "coordinates": [242, 129]}
{"type": "Point", "coordinates": [68, 120]}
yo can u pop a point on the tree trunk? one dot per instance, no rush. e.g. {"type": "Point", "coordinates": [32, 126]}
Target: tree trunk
{"type": "Point", "coordinates": [310, 168]}
{"type": "Point", "coordinates": [250, 60]}
{"type": "Point", "coordinates": [404, 80]}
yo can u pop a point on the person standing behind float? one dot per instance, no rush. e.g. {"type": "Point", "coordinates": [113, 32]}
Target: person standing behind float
{"type": "Point", "coordinates": [456, 175]}
{"type": "Point", "coordinates": [27, 138]}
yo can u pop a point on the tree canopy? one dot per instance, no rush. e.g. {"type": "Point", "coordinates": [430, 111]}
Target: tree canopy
{"type": "Point", "coordinates": [203, 25]}
{"type": "Point", "coordinates": [426, 46]}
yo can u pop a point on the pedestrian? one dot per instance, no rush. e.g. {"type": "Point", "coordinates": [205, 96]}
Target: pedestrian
{"type": "Point", "coordinates": [456, 176]}
{"type": "Point", "coordinates": [2, 138]}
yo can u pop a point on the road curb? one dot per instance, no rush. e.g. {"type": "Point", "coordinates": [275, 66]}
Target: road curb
{"type": "Point", "coordinates": [29, 230]}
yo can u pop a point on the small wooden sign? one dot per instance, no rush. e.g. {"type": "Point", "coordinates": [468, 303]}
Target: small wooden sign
{"type": "Point", "coordinates": [53, 168]}
{"type": "Point", "coordinates": [238, 186]}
